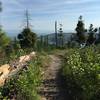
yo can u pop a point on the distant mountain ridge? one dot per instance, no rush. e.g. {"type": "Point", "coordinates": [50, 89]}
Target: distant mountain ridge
{"type": "Point", "coordinates": [14, 33]}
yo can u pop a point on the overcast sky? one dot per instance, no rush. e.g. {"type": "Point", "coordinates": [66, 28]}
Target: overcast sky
{"type": "Point", "coordinates": [43, 13]}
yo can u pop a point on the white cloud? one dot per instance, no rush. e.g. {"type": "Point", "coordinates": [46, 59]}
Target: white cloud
{"type": "Point", "coordinates": [46, 10]}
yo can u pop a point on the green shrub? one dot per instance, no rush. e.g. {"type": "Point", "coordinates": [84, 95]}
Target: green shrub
{"type": "Point", "coordinates": [82, 73]}
{"type": "Point", "coordinates": [24, 85]}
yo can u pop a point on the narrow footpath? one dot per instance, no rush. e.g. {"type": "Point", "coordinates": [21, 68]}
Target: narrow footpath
{"type": "Point", "coordinates": [53, 85]}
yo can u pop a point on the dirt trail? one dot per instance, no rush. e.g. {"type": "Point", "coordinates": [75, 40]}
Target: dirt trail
{"type": "Point", "coordinates": [52, 88]}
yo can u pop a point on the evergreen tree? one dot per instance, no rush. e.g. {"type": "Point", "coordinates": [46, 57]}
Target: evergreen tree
{"type": "Point", "coordinates": [98, 38]}
{"type": "Point", "coordinates": [56, 34]}
{"type": "Point", "coordinates": [27, 38]}
{"type": "Point", "coordinates": [80, 29]}
{"type": "Point", "coordinates": [99, 35]}
{"type": "Point", "coordinates": [61, 36]}
{"type": "Point", "coordinates": [91, 32]}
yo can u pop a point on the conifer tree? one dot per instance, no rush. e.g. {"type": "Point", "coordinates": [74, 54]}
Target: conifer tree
{"type": "Point", "coordinates": [27, 38]}
{"type": "Point", "coordinates": [91, 37]}
{"type": "Point", "coordinates": [80, 29]}
{"type": "Point", "coordinates": [98, 40]}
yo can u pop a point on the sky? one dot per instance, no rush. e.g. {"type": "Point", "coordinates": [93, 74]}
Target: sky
{"type": "Point", "coordinates": [43, 14]}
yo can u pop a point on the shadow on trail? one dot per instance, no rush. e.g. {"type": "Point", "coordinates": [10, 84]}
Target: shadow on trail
{"type": "Point", "coordinates": [60, 82]}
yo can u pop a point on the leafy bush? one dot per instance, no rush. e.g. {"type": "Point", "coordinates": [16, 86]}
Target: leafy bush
{"type": "Point", "coordinates": [81, 71]}
{"type": "Point", "coordinates": [23, 86]}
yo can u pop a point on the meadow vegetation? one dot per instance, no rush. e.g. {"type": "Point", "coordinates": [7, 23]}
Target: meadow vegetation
{"type": "Point", "coordinates": [81, 71]}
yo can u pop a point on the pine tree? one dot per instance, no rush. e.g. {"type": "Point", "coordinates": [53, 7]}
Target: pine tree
{"type": "Point", "coordinates": [91, 37]}
{"type": "Point", "coordinates": [56, 34]}
{"type": "Point", "coordinates": [98, 41]}
{"type": "Point", "coordinates": [80, 29]}
{"type": "Point", "coordinates": [61, 35]}
{"type": "Point", "coordinates": [27, 38]}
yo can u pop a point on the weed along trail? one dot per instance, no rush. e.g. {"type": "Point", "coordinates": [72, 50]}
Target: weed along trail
{"type": "Point", "coordinates": [52, 87]}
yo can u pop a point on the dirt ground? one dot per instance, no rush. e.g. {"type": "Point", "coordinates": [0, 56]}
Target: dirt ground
{"type": "Point", "coordinates": [52, 88]}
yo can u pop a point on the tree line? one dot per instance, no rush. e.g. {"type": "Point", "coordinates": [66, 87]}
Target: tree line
{"type": "Point", "coordinates": [28, 39]}
{"type": "Point", "coordinates": [87, 36]}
